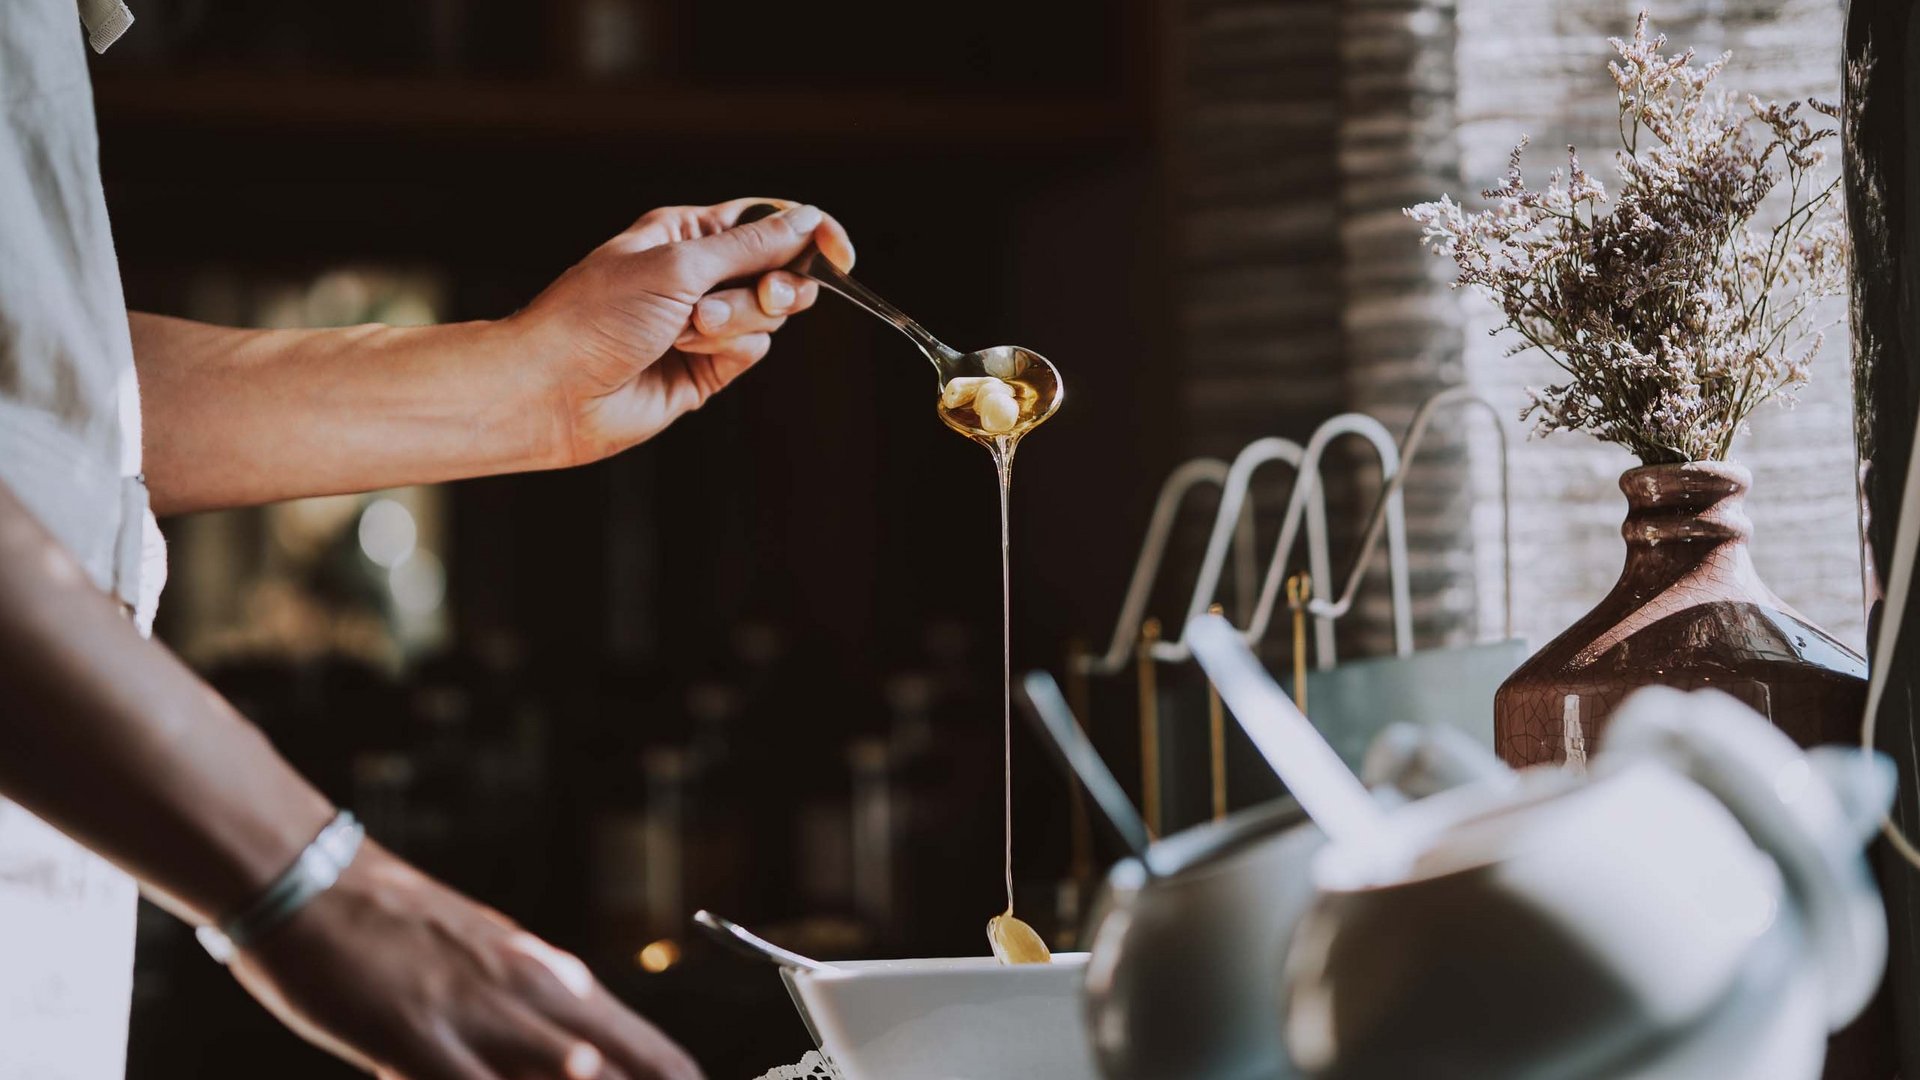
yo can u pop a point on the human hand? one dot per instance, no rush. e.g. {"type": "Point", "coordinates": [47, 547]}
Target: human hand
{"type": "Point", "coordinates": [638, 334]}
{"type": "Point", "coordinates": [402, 976]}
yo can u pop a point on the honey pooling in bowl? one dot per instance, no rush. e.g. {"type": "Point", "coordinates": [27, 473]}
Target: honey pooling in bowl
{"type": "Point", "coordinates": [1014, 942]}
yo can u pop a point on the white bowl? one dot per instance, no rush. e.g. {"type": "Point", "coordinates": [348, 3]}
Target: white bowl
{"type": "Point", "coordinates": [971, 1018]}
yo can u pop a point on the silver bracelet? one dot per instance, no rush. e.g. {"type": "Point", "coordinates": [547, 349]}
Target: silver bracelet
{"type": "Point", "coordinates": [314, 871]}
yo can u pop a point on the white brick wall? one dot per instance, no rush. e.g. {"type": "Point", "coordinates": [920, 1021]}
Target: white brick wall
{"type": "Point", "coordinates": [1538, 67]}
{"type": "Point", "coordinates": [1303, 127]}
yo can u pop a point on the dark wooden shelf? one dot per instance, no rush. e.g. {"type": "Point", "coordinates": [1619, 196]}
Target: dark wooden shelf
{"type": "Point", "coordinates": [458, 107]}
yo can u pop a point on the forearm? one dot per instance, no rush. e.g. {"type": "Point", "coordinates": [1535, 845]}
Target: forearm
{"type": "Point", "coordinates": [108, 737]}
{"type": "Point", "coordinates": [240, 417]}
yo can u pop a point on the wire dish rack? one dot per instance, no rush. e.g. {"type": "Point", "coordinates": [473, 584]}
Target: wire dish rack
{"type": "Point", "coordinates": [1349, 700]}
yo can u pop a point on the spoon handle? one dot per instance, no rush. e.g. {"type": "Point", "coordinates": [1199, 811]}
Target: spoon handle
{"type": "Point", "coordinates": [746, 942]}
{"type": "Point", "coordinates": [810, 264]}
{"type": "Point", "coordinates": [1045, 704]}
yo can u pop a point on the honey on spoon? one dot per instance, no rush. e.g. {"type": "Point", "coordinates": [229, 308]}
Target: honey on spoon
{"type": "Point", "coordinates": [1017, 392]}
{"type": "Point", "coordinates": [994, 397]}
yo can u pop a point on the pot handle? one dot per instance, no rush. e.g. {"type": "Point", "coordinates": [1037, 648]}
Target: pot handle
{"type": "Point", "coordinates": [1806, 812]}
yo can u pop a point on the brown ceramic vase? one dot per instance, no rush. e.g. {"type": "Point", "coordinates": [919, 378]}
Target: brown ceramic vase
{"type": "Point", "coordinates": [1689, 612]}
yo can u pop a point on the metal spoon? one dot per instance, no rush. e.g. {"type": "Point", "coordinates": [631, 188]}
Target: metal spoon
{"type": "Point", "coordinates": [1048, 707]}
{"type": "Point", "coordinates": [1026, 369]}
{"type": "Point", "coordinates": [746, 942]}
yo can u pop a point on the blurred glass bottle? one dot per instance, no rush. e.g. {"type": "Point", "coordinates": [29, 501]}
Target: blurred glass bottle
{"type": "Point", "coordinates": [719, 826]}
{"type": "Point", "coordinates": [618, 39]}
{"type": "Point", "coordinates": [945, 769]}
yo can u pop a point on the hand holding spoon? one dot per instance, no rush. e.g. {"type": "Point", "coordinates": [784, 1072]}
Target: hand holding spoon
{"type": "Point", "coordinates": [1021, 388]}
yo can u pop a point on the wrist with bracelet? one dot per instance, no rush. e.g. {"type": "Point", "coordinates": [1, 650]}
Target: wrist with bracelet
{"type": "Point", "coordinates": [315, 870]}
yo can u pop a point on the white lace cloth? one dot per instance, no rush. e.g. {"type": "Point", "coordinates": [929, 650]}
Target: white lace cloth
{"type": "Point", "coordinates": [814, 1066]}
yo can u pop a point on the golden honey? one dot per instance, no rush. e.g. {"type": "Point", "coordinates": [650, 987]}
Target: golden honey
{"type": "Point", "coordinates": [995, 409]}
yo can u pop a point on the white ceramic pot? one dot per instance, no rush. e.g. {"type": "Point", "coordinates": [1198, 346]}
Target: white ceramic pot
{"type": "Point", "coordinates": [970, 1018]}
{"type": "Point", "coordinates": [1699, 906]}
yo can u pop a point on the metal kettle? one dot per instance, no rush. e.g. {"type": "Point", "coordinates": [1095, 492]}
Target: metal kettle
{"type": "Point", "coordinates": [1183, 981]}
{"type": "Point", "coordinates": [1183, 977]}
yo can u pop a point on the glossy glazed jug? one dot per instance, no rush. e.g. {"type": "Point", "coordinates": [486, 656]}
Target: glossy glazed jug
{"type": "Point", "coordinates": [1697, 906]}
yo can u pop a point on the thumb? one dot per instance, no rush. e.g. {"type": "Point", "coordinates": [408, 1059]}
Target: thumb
{"type": "Point", "coordinates": [767, 244]}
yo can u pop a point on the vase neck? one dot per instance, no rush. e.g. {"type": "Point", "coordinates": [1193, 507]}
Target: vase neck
{"type": "Point", "coordinates": [1701, 503]}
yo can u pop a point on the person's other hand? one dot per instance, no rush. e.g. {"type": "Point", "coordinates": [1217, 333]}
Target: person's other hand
{"type": "Point", "coordinates": [404, 977]}
{"type": "Point", "coordinates": [638, 333]}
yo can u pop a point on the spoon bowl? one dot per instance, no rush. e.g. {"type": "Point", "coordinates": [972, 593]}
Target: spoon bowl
{"type": "Point", "coordinates": [1034, 382]}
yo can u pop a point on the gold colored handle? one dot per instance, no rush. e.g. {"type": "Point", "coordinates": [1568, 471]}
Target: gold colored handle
{"type": "Point", "coordinates": [1299, 592]}
{"type": "Point", "coordinates": [1149, 725]}
{"type": "Point", "coordinates": [1217, 738]}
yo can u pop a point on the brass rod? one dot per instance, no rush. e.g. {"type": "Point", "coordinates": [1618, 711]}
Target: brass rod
{"type": "Point", "coordinates": [1149, 725]}
{"type": "Point", "coordinates": [1217, 739]}
{"type": "Point", "coordinates": [1299, 591]}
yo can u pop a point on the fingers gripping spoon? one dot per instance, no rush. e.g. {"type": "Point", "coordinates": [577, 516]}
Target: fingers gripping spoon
{"type": "Point", "coordinates": [1034, 383]}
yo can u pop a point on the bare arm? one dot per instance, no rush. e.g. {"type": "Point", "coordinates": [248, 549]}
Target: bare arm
{"type": "Point", "coordinates": [241, 417]}
{"type": "Point", "coordinates": [111, 739]}
{"type": "Point", "coordinates": [114, 741]}
{"type": "Point", "coordinates": [633, 337]}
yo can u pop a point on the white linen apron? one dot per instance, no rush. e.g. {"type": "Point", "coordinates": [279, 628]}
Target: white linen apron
{"type": "Point", "coordinates": [70, 451]}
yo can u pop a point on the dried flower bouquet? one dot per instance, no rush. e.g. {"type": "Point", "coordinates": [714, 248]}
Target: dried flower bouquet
{"type": "Point", "coordinates": [1672, 312]}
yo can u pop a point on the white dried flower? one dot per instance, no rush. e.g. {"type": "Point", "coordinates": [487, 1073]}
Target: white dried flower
{"type": "Point", "coordinates": [1672, 314]}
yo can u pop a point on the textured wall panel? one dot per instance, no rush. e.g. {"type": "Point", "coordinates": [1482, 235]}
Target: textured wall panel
{"type": "Point", "coordinates": [1302, 129]}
